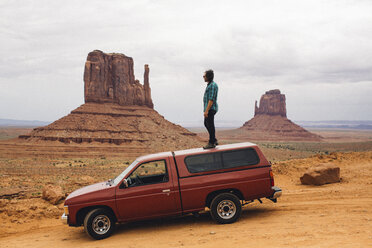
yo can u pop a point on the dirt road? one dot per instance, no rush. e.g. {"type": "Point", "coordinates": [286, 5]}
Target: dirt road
{"type": "Point", "coordinates": [334, 215]}
{"type": "Point", "coordinates": [303, 218]}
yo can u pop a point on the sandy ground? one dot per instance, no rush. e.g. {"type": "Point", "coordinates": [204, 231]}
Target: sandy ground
{"type": "Point", "coordinates": [333, 215]}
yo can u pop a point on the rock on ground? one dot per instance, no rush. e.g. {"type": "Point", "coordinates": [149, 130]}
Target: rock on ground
{"type": "Point", "coordinates": [53, 194]}
{"type": "Point", "coordinates": [321, 174]}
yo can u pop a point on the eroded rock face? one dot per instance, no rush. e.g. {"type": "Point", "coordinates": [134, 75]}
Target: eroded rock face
{"type": "Point", "coordinates": [146, 86]}
{"type": "Point", "coordinates": [321, 174]}
{"type": "Point", "coordinates": [269, 127]}
{"type": "Point", "coordinates": [270, 121]}
{"type": "Point", "coordinates": [118, 110]}
{"type": "Point", "coordinates": [109, 78]}
{"type": "Point", "coordinates": [271, 103]}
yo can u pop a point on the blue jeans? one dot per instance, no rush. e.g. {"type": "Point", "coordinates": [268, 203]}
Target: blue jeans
{"type": "Point", "coordinates": [209, 124]}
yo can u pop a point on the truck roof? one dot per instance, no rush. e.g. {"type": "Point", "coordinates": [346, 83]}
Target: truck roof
{"type": "Point", "coordinates": [217, 148]}
{"type": "Point", "coordinates": [200, 150]}
{"type": "Point", "coordinates": [155, 156]}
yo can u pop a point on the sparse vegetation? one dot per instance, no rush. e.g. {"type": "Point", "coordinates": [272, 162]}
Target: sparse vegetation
{"type": "Point", "coordinates": [12, 132]}
{"type": "Point", "coordinates": [279, 151]}
{"type": "Point", "coordinates": [25, 172]}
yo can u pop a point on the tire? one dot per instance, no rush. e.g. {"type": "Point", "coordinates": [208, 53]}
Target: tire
{"type": "Point", "coordinates": [226, 208]}
{"type": "Point", "coordinates": [99, 223]}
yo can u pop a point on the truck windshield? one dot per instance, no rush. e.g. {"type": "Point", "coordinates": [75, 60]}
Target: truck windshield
{"type": "Point", "coordinates": [125, 172]}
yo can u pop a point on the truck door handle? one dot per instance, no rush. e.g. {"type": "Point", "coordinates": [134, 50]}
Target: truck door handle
{"type": "Point", "coordinates": [166, 190]}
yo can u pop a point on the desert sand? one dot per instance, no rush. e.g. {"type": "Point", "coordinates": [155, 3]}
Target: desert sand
{"type": "Point", "coordinates": [332, 215]}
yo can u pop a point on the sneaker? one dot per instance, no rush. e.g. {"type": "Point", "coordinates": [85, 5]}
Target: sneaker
{"type": "Point", "coordinates": [209, 146]}
{"type": "Point", "coordinates": [216, 143]}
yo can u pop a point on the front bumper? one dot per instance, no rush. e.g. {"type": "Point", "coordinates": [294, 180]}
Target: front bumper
{"type": "Point", "coordinates": [64, 218]}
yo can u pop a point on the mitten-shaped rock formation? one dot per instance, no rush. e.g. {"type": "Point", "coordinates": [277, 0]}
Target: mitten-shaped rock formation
{"type": "Point", "coordinates": [110, 78]}
{"type": "Point", "coordinates": [117, 110]}
{"type": "Point", "coordinates": [270, 121]}
{"type": "Point", "coordinates": [272, 103]}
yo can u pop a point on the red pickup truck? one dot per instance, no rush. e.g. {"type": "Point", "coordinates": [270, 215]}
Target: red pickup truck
{"type": "Point", "coordinates": [175, 183]}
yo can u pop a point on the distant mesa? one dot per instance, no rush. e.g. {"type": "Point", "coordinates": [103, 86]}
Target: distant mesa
{"type": "Point", "coordinates": [118, 110]}
{"type": "Point", "coordinates": [270, 120]}
{"type": "Point", "coordinates": [270, 123]}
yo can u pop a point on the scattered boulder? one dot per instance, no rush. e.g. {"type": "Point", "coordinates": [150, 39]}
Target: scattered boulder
{"type": "Point", "coordinates": [53, 194]}
{"type": "Point", "coordinates": [84, 181]}
{"type": "Point", "coordinates": [321, 174]}
{"type": "Point", "coordinates": [87, 179]}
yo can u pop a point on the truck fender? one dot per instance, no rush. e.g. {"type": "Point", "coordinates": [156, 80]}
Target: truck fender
{"type": "Point", "coordinates": [213, 194]}
{"type": "Point", "coordinates": [80, 215]}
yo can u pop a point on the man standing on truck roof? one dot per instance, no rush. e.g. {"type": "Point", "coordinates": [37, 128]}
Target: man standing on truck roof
{"type": "Point", "coordinates": [210, 107]}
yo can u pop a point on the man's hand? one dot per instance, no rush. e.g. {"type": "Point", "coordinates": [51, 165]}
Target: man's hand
{"type": "Point", "coordinates": [210, 103]}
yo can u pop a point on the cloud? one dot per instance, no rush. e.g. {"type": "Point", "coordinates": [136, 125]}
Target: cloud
{"type": "Point", "coordinates": [253, 46]}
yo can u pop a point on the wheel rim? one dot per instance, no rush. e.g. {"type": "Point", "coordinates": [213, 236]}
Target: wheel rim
{"type": "Point", "coordinates": [101, 224]}
{"type": "Point", "coordinates": [226, 209]}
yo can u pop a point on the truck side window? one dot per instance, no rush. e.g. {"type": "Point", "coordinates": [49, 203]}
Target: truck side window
{"type": "Point", "coordinates": [149, 173]}
{"type": "Point", "coordinates": [221, 160]}
{"type": "Point", "coordinates": [204, 162]}
{"type": "Point", "coordinates": [238, 158]}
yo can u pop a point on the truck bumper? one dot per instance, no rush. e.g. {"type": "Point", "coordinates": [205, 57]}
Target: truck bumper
{"type": "Point", "coordinates": [277, 193]}
{"type": "Point", "coordinates": [64, 218]}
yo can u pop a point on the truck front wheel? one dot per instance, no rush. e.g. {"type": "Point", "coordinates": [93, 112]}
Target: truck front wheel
{"type": "Point", "coordinates": [99, 223]}
{"type": "Point", "coordinates": [226, 208]}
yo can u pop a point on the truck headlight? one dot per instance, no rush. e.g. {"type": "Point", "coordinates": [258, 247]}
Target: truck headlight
{"type": "Point", "coordinates": [65, 208]}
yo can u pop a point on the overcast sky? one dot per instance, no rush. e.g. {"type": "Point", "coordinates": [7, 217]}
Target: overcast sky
{"type": "Point", "coordinates": [318, 53]}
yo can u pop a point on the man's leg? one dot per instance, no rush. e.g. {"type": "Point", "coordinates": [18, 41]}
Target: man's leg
{"type": "Point", "coordinates": [211, 128]}
{"type": "Point", "coordinates": [206, 124]}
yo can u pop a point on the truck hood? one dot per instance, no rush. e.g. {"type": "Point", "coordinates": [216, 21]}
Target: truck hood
{"type": "Point", "coordinates": [83, 193]}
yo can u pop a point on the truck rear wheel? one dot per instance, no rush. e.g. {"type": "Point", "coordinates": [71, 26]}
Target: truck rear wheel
{"type": "Point", "coordinates": [99, 223]}
{"type": "Point", "coordinates": [226, 208]}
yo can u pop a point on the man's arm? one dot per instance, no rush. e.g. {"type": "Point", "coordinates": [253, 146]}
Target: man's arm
{"type": "Point", "coordinates": [210, 103]}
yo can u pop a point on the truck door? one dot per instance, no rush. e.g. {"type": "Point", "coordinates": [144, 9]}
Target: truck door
{"type": "Point", "coordinates": [150, 193]}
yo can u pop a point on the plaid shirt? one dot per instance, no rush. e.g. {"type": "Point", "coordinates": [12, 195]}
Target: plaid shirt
{"type": "Point", "coordinates": [211, 94]}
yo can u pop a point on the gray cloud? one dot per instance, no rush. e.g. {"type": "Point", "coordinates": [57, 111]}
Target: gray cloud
{"type": "Point", "coordinates": [253, 46]}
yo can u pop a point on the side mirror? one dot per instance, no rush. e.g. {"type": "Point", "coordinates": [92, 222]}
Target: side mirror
{"type": "Point", "coordinates": [125, 182]}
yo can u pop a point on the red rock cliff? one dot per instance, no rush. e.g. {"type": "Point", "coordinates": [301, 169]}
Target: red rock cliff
{"type": "Point", "coordinates": [270, 122]}
{"type": "Point", "coordinates": [110, 78]}
{"type": "Point", "coordinates": [117, 110]}
{"type": "Point", "coordinates": [271, 103]}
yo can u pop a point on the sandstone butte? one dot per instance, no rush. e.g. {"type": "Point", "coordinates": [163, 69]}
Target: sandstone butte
{"type": "Point", "coordinates": [118, 110]}
{"type": "Point", "coordinates": [270, 123]}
